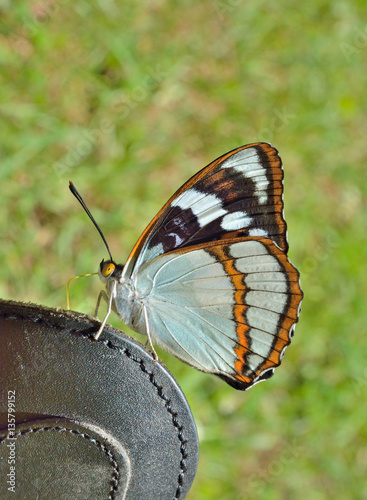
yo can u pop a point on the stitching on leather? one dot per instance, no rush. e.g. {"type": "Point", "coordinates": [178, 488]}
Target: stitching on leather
{"type": "Point", "coordinates": [167, 404]}
{"type": "Point", "coordinates": [115, 474]}
{"type": "Point", "coordinates": [127, 353]}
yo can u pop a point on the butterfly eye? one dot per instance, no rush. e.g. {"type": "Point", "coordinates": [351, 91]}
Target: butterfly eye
{"type": "Point", "coordinates": [107, 269]}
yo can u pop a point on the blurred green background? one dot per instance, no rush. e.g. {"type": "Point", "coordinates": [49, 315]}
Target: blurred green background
{"type": "Point", "coordinates": [129, 99]}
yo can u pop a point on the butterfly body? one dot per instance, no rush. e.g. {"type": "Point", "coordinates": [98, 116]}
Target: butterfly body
{"type": "Point", "coordinates": [209, 279]}
{"type": "Point", "coordinates": [125, 300]}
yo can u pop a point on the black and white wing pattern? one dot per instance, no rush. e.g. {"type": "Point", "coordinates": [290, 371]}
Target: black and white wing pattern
{"type": "Point", "coordinates": [238, 194]}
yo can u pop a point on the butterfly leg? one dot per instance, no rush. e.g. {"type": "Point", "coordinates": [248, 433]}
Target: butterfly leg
{"type": "Point", "coordinates": [102, 295]}
{"type": "Point", "coordinates": [100, 330]}
{"type": "Point", "coordinates": [155, 355]}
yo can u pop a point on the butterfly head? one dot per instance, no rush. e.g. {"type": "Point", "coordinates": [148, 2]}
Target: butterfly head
{"type": "Point", "coordinates": [108, 269]}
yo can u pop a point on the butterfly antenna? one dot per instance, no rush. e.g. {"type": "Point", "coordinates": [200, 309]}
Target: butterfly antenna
{"type": "Point", "coordinates": [81, 201]}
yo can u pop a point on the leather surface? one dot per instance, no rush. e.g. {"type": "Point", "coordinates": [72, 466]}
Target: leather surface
{"type": "Point", "coordinates": [94, 419]}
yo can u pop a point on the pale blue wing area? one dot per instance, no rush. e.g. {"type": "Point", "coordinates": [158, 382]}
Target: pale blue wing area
{"type": "Point", "coordinates": [189, 298]}
{"type": "Point", "coordinates": [181, 292]}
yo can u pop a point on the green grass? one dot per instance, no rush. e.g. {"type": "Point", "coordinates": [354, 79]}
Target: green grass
{"type": "Point", "coordinates": [129, 99]}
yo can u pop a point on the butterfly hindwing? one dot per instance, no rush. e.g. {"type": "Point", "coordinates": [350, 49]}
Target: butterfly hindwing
{"type": "Point", "coordinates": [226, 307]}
{"type": "Point", "coordinates": [237, 195]}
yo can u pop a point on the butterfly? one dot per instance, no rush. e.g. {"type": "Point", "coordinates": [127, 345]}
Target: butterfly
{"type": "Point", "coordinates": [209, 279]}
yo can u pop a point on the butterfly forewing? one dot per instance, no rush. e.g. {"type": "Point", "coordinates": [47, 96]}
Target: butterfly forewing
{"type": "Point", "coordinates": [225, 307]}
{"type": "Point", "coordinates": [237, 195]}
